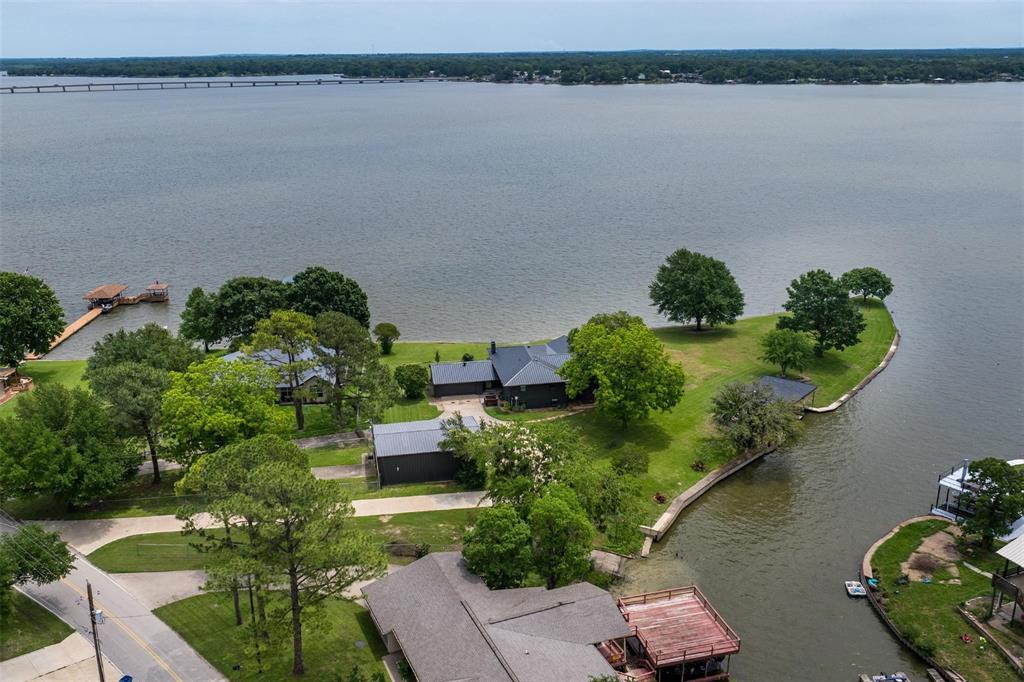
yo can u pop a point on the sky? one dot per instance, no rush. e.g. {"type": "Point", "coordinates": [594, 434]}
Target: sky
{"type": "Point", "coordinates": [101, 28]}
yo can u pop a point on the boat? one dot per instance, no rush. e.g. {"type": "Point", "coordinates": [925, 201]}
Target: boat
{"type": "Point", "coordinates": [882, 677]}
{"type": "Point", "coordinates": [855, 589]}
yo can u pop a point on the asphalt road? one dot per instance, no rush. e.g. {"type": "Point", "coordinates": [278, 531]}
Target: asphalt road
{"type": "Point", "coordinates": [135, 640]}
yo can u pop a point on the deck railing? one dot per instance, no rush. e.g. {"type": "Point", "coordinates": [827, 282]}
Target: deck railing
{"type": "Point", "coordinates": [1007, 587]}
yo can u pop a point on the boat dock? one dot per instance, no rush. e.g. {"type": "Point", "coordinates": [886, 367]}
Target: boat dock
{"type": "Point", "coordinates": [105, 298]}
{"type": "Point", "coordinates": [120, 86]}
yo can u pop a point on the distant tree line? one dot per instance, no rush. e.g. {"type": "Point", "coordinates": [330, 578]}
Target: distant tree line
{"type": "Point", "coordinates": [707, 66]}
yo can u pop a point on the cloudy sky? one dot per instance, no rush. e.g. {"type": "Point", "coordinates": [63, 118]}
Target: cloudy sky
{"type": "Point", "coordinates": [88, 28]}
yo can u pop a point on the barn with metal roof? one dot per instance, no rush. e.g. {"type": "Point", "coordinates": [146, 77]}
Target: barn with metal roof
{"type": "Point", "coordinates": [410, 452]}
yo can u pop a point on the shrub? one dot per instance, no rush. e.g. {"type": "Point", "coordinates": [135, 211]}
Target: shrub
{"type": "Point", "coordinates": [630, 460]}
{"type": "Point", "coordinates": [699, 465]}
{"type": "Point", "coordinates": [467, 357]}
{"type": "Point", "coordinates": [412, 379]}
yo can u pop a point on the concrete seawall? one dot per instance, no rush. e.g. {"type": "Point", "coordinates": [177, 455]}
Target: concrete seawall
{"type": "Point", "coordinates": [838, 402]}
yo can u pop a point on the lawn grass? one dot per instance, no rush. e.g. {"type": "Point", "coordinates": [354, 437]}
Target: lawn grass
{"type": "Point", "coordinates": [347, 638]}
{"type": "Point", "coordinates": [67, 372]}
{"type": "Point", "coordinates": [405, 353]}
{"type": "Point", "coordinates": [711, 359]}
{"type": "Point", "coordinates": [137, 497]}
{"type": "Point", "coordinates": [173, 551]}
{"type": "Point", "coordinates": [406, 410]}
{"type": "Point", "coordinates": [29, 627]}
{"type": "Point", "coordinates": [926, 613]}
{"type": "Point", "coordinates": [333, 456]}
{"type": "Point", "coordinates": [363, 489]}
{"type": "Point", "coordinates": [525, 416]}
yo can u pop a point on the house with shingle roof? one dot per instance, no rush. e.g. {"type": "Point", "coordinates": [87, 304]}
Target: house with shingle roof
{"type": "Point", "coordinates": [525, 376]}
{"type": "Point", "coordinates": [313, 381]}
{"type": "Point", "coordinates": [449, 626]}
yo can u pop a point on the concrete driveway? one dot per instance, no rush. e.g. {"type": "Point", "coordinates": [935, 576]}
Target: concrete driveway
{"type": "Point", "coordinates": [466, 405]}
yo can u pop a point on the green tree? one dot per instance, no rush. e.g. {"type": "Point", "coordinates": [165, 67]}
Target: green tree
{"type": "Point", "coordinates": [61, 442]}
{"type": "Point", "coordinates": [30, 317]}
{"type": "Point", "coordinates": [317, 290]}
{"type": "Point", "coordinates": [244, 301]}
{"type": "Point", "coordinates": [562, 537]}
{"type": "Point", "coordinates": [199, 319]}
{"type": "Point", "coordinates": [219, 478]}
{"type": "Point", "coordinates": [150, 345]}
{"type": "Point", "coordinates": [751, 417]}
{"type": "Point", "coordinates": [497, 548]}
{"type": "Point", "coordinates": [820, 305]}
{"type": "Point", "coordinates": [344, 348]}
{"type": "Point", "coordinates": [996, 494]}
{"type": "Point", "coordinates": [786, 348]}
{"type": "Point", "coordinates": [867, 282]}
{"type": "Point", "coordinates": [386, 334]}
{"type": "Point", "coordinates": [692, 286]}
{"type": "Point", "coordinates": [628, 366]}
{"type": "Point", "coordinates": [134, 393]}
{"type": "Point", "coordinates": [217, 402]}
{"type": "Point", "coordinates": [610, 321]}
{"type": "Point", "coordinates": [303, 533]}
{"type": "Point", "coordinates": [285, 340]}
{"type": "Point", "coordinates": [372, 390]}
{"type": "Point", "coordinates": [413, 379]}
{"type": "Point", "coordinates": [472, 450]}
{"type": "Point", "coordinates": [31, 554]}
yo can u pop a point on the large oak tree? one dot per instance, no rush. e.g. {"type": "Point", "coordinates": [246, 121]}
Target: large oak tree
{"type": "Point", "coordinates": [30, 317]}
{"type": "Point", "coordinates": [821, 305]}
{"type": "Point", "coordinates": [692, 286]}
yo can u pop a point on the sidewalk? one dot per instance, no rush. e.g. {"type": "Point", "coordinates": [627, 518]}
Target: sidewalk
{"type": "Point", "coordinates": [88, 535]}
{"type": "Point", "coordinates": [71, 659]}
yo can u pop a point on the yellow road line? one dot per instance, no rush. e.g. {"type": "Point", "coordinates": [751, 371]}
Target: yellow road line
{"type": "Point", "coordinates": [117, 621]}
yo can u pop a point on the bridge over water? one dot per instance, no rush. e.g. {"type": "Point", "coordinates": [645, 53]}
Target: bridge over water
{"type": "Point", "coordinates": [117, 86]}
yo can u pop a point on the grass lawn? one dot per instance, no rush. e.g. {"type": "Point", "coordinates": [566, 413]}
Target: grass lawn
{"type": "Point", "coordinates": [68, 372]}
{"type": "Point", "coordinates": [926, 613]}
{"type": "Point", "coordinates": [28, 628]}
{"type": "Point", "coordinates": [332, 456]}
{"type": "Point", "coordinates": [711, 359]}
{"type": "Point", "coordinates": [347, 638]}
{"type": "Point", "coordinates": [138, 497]}
{"type": "Point", "coordinates": [526, 416]}
{"type": "Point", "coordinates": [404, 353]}
{"type": "Point", "coordinates": [362, 489]}
{"type": "Point", "coordinates": [409, 411]}
{"type": "Point", "coordinates": [173, 551]}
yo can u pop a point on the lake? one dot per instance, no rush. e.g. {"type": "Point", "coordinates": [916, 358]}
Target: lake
{"type": "Point", "coordinates": [475, 211]}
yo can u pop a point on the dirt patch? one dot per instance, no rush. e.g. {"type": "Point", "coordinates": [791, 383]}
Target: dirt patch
{"type": "Point", "coordinates": [937, 554]}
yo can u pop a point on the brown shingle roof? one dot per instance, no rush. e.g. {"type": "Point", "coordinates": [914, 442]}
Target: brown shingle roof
{"type": "Point", "coordinates": [105, 291]}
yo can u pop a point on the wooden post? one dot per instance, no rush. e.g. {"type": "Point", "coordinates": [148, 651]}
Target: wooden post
{"type": "Point", "coordinates": [95, 632]}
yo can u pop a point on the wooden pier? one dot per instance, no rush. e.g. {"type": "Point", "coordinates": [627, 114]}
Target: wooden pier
{"type": "Point", "coordinates": [105, 298]}
{"type": "Point", "coordinates": [119, 86]}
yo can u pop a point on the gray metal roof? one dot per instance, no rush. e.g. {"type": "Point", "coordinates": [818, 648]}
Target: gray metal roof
{"type": "Point", "coordinates": [531, 365]}
{"type": "Point", "coordinates": [413, 438]}
{"type": "Point", "coordinates": [462, 372]}
{"type": "Point", "coordinates": [788, 389]}
{"type": "Point", "coordinates": [276, 359]}
{"type": "Point", "coordinates": [451, 627]}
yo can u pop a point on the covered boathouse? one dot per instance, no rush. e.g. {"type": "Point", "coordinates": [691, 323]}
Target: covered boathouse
{"type": "Point", "coordinates": [411, 452]}
{"type": "Point", "coordinates": [790, 390]}
{"type": "Point", "coordinates": [106, 296]}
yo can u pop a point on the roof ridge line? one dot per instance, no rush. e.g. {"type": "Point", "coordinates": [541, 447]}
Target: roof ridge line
{"type": "Point", "coordinates": [489, 641]}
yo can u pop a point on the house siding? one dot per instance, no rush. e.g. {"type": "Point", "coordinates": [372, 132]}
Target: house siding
{"type": "Point", "coordinates": [540, 395]}
{"type": "Point", "coordinates": [418, 468]}
{"type": "Point", "coordinates": [472, 388]}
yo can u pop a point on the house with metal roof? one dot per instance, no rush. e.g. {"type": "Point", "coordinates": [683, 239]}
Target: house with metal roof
{"type": "Point", "coordinates": [525, 376]}
{"type": "Point", "coordinates": [1008, 584]}
{"type": "Point", "coordinates": [311, 381]}
{"type": "Point", "coordinates": [449, 626]}
{"type": "Point", "coordinates": [411, 452]}
{"type": "Point", "coordinates": [790, 390]}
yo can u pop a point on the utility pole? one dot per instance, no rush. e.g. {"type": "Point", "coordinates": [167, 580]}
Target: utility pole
{"type": "Point", "coordinates": [95, 632]}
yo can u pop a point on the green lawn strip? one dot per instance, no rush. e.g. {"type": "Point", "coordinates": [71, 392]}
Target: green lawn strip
{"type": "Point", "coordinates": [926, 613]}
{"type": "Point", "coordinates": [137, 497]}
{"type": "Point", "coordinates": [67, 372]}
{"type": "Point", "coordinates": [29, 627]}
{"type": "Point", "coordinates": [346, 638]}
{"type": "Point", "coordinates": [172, 551]}
{"type": "Point", "coordinates": [410, 411]}
{"type": "Point", "coordinates": [711, 359]}
{"type": "Point", "coordinates": [334, 456]}
{"type": "Point", "coordinates": [411, 352]}
{"type": "Point", "coordinates": [526, 416]}
{"type": "Point", "coordinates": [439, 529]}
{"type": "Point", "coordinates": [362, 489]}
